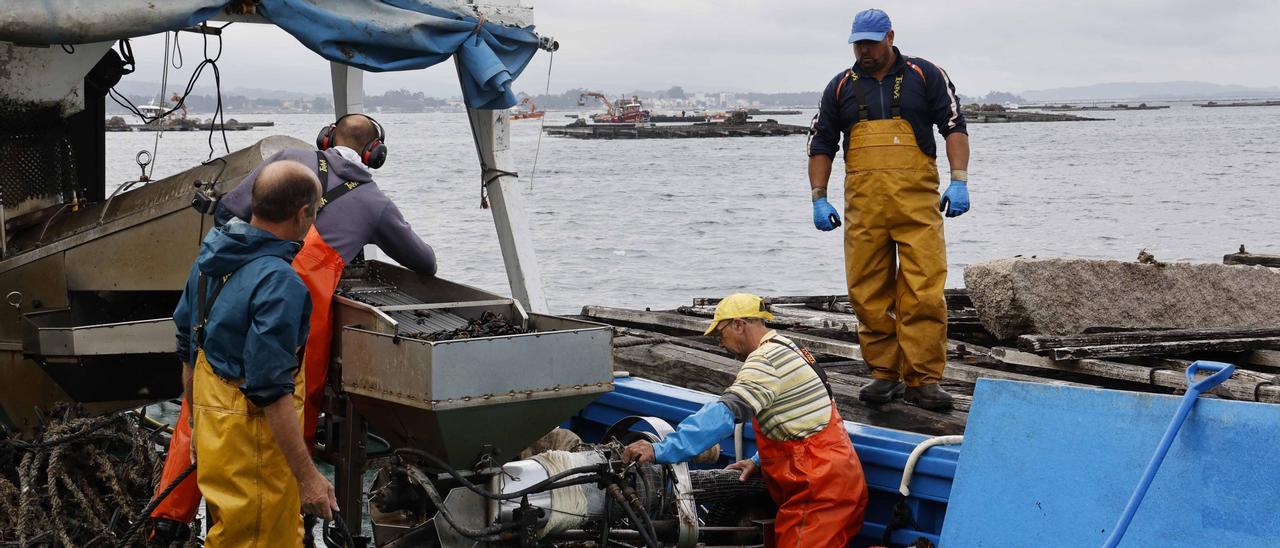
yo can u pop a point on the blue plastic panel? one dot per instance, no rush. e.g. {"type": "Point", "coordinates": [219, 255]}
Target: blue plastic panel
{"type": "Point", "coordinates": [883, 453]}
{"type": "Point", "coordinates": [1054, 466]}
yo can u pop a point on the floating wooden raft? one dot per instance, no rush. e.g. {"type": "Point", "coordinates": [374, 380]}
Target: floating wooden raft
{"type": "Point", "coordinates": [995, 117]}
{"type": "Point", "coordinates": [621, 131]}
{"type": "Point", "coordinates": [668, 346]}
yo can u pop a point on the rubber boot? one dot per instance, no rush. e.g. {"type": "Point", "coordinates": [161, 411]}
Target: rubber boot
{"type": "Point", "coordinates": [881, 391]}
{"type": "Point", "coordinates": [928, 396]}
{"type": "Point", "coordinates": [165, 532]}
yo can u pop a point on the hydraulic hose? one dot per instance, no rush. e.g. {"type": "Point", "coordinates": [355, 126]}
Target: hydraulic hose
{"type": "Point", "coordinates": [345, 539]}
{"type": "Point", "coordinates": [481, 535]}
{"type": "Point", "coordinates": [641, 526]}
{"type": "Point", "coordinates": [544, 485]}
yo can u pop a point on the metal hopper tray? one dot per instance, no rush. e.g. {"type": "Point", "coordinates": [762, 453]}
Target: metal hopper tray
{"type": "Point", "coordinates": [463, 398]}
{"type": "Point", "coordinates": [98, 355]}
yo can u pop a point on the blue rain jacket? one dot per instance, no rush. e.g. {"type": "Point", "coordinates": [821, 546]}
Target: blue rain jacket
{"type": "Point", "coordinates": [258, 324]}
{"type": "Point", "coordinates": [695, 434]}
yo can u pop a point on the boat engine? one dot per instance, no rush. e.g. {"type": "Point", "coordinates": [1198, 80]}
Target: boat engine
{"type": "Point", "coordinates": [561, 498]}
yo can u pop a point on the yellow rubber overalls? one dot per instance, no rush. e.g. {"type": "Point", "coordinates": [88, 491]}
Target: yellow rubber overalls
{"type": "Point", "coordinates": [894, 253]}
{"type": "Point", "coordinates": [251, 494]}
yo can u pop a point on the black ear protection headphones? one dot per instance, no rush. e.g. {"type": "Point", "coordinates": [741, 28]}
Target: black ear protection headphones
{"type": "Point", "coordinates": [374, 153]}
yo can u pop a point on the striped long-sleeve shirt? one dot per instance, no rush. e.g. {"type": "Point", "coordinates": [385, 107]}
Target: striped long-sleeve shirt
{"type": "Point", "coordinates": [778, 386]}
{"type": "Point", "coordinates": [928, 99]}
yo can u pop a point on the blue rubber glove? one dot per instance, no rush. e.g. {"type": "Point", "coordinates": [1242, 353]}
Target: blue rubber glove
{"type": "Point", "coordinates": [955, 201]}
{"type": "Point", "coordinates": [695, 434]}
{"type": "Point", "coordinates": [825, 217]}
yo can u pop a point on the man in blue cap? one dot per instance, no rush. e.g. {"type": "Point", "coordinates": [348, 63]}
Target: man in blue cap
{"type": "Point", "coordinates": [886, 107]}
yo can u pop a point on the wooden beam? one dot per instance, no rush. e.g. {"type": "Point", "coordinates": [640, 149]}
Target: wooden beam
{"type": "Point", "coordinates": [1242, 374]}
{"type": "Point", "coordinates": [1170, 348]}
{"type": "Point", "coordinates": [1268, 358]}
{"type": "Point", "coordinates": [1037, 343]}
{"type": "Point", "coordinates": [788, 317]}
{"type": "Point", "coordinates": [956, 298]}
{"type": "Point", "coordinates": [1246, 387]}
{"type": "Point", "coordinates": [1253, 259]}
{"type": "Point", "coordinates": [954, 370]}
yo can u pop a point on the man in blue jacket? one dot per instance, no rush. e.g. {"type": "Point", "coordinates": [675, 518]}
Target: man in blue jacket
{"type": "Point", "coordinates": [241, 324]}
{"type": "Point", "coordinates": [886, 106]}
{"type": "Point", "coordinates": [354, 212]}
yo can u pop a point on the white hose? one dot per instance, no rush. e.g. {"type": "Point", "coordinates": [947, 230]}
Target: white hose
{"type": "Point", "coordinates": [915, 456]}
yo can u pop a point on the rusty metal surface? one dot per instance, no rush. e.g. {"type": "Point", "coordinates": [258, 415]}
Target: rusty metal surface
{"type": "Point", "coordinates": [37, 286]}
{"type": "Point", "coordinates": [142, 205]}
{"type": "Point", "coordinates": [144, 244]}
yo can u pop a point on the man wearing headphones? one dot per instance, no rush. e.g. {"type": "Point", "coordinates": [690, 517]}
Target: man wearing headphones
{"type": "Point", "coordinates": [353, 212]}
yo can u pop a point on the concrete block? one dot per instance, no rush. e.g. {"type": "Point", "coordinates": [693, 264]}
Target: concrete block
{"type": "Point", "coordinates": [1065, 296]}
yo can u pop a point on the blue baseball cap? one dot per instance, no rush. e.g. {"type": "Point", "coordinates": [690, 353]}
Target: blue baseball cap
{"type": "Point", "coordinates": [870, 24]}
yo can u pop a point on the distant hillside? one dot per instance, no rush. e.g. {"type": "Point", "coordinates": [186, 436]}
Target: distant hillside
{"type": "Point", "coordinates": [993, 98]}
{"type": "Point", "coordinates": [1150, 91]}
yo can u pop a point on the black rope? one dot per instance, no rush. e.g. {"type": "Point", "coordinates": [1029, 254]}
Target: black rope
{"type": "Point", "coordinates": [490, 175]}
{"type": "Point", "coordinates": [177, 47]}
{"type": "Point", "coordinates": [344, 540]}
{"type": "Point", "coordinates": [219, 117]}
{"type": "Point", "coordinates": [143, 517]}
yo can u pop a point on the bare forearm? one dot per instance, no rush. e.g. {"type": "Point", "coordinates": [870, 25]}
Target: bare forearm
{"type": "Point", "coordinates": [819, 174]}
{"type": "Point", "coordinates": [188, 376]}
{"type": "Point", "coordinates": [282, 418]}
{"type": "Point", "coordinates": [958, 151]}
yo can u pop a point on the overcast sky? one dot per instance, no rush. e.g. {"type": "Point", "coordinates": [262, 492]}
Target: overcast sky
{"type": "Point", "coordinates": [797, 45]}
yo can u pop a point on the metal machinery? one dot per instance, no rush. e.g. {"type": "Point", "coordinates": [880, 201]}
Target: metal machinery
{"type": "Point", "coordinates": [79, 267]}
{"type": "Point", "coordinates": [89, 282]}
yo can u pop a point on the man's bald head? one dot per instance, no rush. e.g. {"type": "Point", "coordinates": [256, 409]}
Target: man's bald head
{"type": "Point", "coordinates": [283, 187]}
{"type": "Point", "coordinates": [354, 132]}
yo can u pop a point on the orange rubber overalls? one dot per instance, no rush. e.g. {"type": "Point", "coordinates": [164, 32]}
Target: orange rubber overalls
{"type": "Point", "coordinates": [320, 267]}
{"type": "Point", "coordinates": [895, 255]}
{"type": "Point", "coordinates": [817, 481]}
{"type": "Point", "coordinates": [818, 485]}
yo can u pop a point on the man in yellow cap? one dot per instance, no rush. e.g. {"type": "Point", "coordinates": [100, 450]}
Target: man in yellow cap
{"type": "Point", "coordinates": [804, 451]}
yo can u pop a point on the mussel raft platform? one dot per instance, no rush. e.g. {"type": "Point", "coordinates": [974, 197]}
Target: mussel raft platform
{"type": "Point", "coordinates": [668, 346]}
{"type": "Point", "coordinates": [769, 128]}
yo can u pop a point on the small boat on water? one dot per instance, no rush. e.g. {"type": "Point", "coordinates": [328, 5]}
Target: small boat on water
{"type": "Point", "coordinates": [530, 114]}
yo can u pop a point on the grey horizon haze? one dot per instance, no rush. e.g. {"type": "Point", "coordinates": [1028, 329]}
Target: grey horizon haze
{"type": "Point", "coordinates": [770, 46]}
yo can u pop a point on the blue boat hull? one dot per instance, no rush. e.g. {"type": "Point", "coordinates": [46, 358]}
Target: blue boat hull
{"type": "Point", "coordinates": [883, 453]}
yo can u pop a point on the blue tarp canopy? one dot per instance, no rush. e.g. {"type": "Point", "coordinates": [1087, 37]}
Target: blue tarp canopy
{"type": "Point", "coordinates": [374, 35]}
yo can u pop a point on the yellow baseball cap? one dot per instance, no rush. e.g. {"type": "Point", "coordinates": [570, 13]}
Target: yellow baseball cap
{"type": "Point", "coordinates": [739, 305]}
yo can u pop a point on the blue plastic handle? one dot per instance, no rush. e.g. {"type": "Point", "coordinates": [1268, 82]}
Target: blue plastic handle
{"type": "Point", "coordinates": [1222, 372]}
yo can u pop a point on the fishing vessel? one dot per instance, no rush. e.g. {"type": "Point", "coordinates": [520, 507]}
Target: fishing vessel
{"type": "Point", "coordinates": [623, 111]}
{"type": "Point", "coordinates": [441, 424]}
{"type": "Point", "coordinates": [531, 113]}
